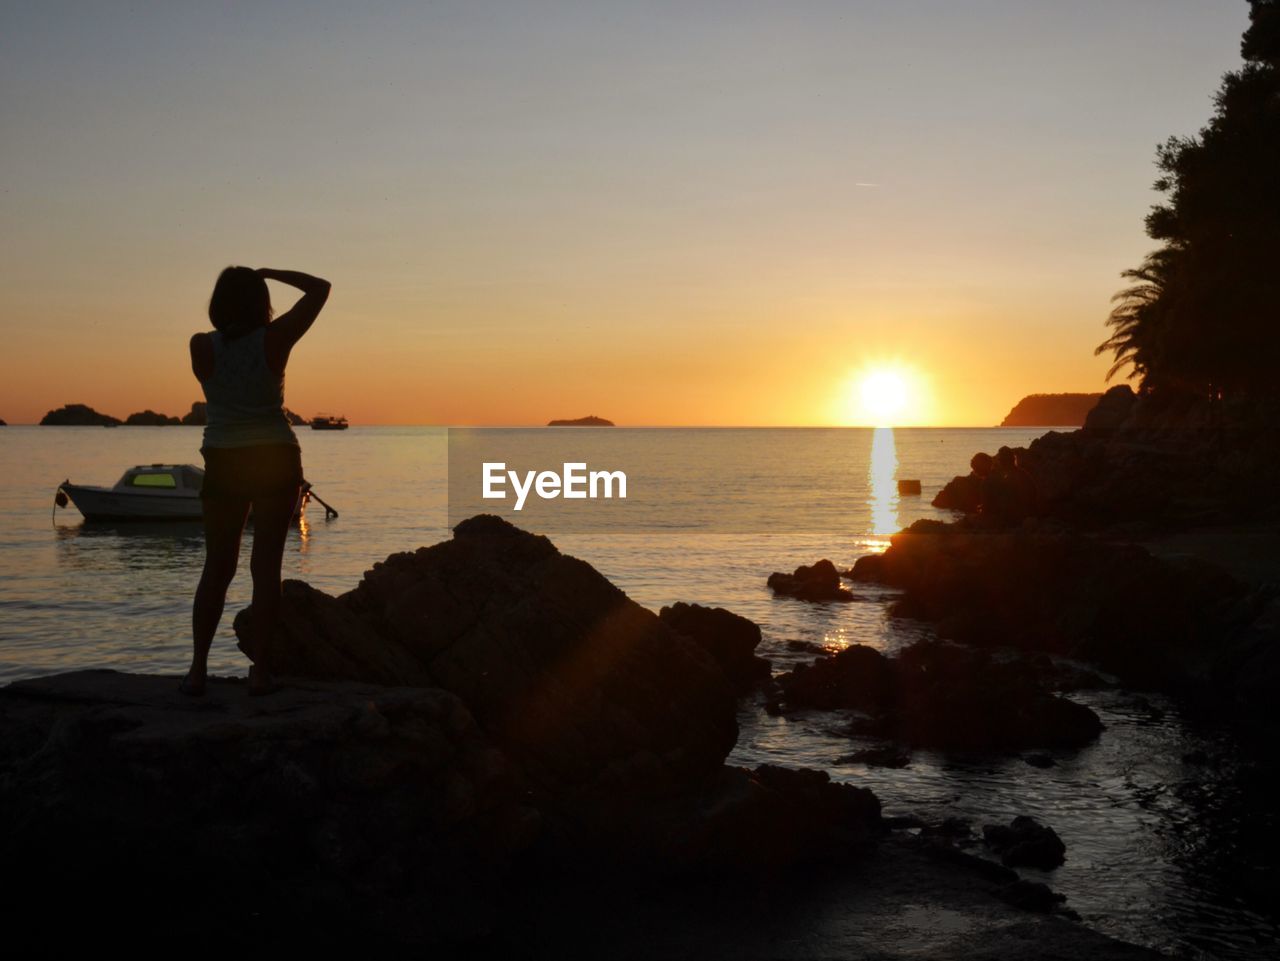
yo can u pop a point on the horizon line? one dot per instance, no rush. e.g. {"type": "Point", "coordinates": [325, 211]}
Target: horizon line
{"type": "Point", "coordinates": [543, 426]}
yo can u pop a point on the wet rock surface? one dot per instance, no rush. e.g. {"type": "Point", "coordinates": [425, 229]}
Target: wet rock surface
{"type": "Point", "coordinates": [1024, 842]}
{"type": "Point", "coordinates": [1152, 622]}
{"type": "Point", "coordinates": [816, 582]}
{"type": "Point", "coordinates": [943, 696]}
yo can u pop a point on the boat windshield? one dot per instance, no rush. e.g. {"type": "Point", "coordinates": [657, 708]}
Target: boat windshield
{"type": "Point", "coordinates": [153, 480]}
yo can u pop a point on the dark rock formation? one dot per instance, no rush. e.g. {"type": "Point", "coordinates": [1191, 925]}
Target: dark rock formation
{"type": "Point", "coordinates": [1051, 410]}
{"type": "Point", "coordinates": [961, 493]}
{"type": "Point", "coordinates": [77, 415]}
{"type": "Point", "coordinates": [943, 696]}
{"type": "Point", "coordinates": [1030, 895]}
{"type": "Point", "coordinates": [1157, 460]}
{"type": "Point", "coordinates": [617, 725]}
{"type": "Point", "coordinates": [1154, 623]}
{"type": "Point", "coordinates": [776, 816]}
{"type": "Point", "coordinates": [727, 637]}
{"type": "Point", "coordinates": [807, 647]}
{"type": "Point", "coordinates": [579, 736]}
{"type": "Point", "coordinates": [563, 671]}
{"type": "Point", "coordinates": [335, 798]}
{"type": "Point", "coordinates": [1112, 410]}
{"type": "Point", "coordinates": [818, 582]}
{"type": "Point", "coordinates": [589, 421]}
{"type": "Point", "coordinates": [1250, 665]}
{"type": "Point", "coordinates": [322, 638]}
{"type": "Point", "coordinates": [149, 418]}
{"type": "Point", "coordinates": [2, 422]}
{"type": "Point", "coordinates": [198, 416]}
{"type": "Point", "coordinates": [858, 677]}
{"type": "Point", "coordinates": [1025, 843]}
{"type": "Point", "coordinates": [359, 815]}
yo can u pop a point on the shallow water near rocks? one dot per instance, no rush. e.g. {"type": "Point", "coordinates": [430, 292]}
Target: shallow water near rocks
{"type": "Point", "coordinates": [1169, 839]}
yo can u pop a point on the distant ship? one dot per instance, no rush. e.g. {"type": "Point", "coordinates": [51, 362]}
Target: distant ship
{"type": "Point", "coordinates": [328, 422]}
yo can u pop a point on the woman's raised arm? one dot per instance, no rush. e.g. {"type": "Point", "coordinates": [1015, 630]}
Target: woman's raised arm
{"type": "Point", "coordinates": [287, 329]}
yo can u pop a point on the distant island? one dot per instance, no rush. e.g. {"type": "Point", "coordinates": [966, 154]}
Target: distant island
{"type": "Point", "coordinates": [1051, 410]}
{"type": "Point", "coordinates": [149, 418]}
{"type": "Point", "coordinates": [82, 415]}
{"type": "Point", "coordinates": [592, 421]}
{"type": "Point", "coordinates": [78, 415]}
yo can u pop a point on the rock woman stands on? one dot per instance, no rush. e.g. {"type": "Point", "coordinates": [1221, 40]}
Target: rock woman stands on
{"type": "Point", "coordinates": [251, 455]}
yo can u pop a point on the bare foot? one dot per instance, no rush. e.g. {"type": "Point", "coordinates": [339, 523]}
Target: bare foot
{"type": "Point", "coordinates": [193, 684]}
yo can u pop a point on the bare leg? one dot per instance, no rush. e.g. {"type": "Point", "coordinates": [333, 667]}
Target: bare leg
{"type": "Point", "coordinates": [271, 517]}
{"type": "Point", "coordinates": [223, 524]}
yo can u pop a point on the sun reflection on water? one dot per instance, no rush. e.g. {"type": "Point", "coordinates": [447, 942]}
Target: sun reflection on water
{"type": "Point", "coordinates": [882, 480]}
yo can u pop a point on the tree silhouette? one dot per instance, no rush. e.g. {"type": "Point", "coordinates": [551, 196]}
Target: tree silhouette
{"type": "Point", "coordinates": [1203, 314]}
{"type": "Point", "coordinates": [1135, 319]}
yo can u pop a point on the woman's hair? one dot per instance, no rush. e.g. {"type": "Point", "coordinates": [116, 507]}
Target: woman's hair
{"type": "Point", "coordinates": [240, 303]}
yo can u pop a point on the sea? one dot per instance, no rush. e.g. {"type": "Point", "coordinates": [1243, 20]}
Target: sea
{"type": "Point", "coordinates": [1157, 816]}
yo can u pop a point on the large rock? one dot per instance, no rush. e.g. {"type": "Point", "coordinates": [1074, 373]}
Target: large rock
{"type": "Point", "coordinates": [1112, 409]}
{"type": "Point", "coordinates": [1025, 842]}
{"type": "Point", "coordinates": [385, 810]}
{"type": "Point", "coordinates": [588, 690]}
{"type": "Point", "coordinates": [857, 677]}
{"type": "Point", "coordinates": [944, 696]}
{"type": "Point", "coordinates": [352, 817]}
{"type": "Point", "coordinates": [775, 816]}
{"type": "Point", "coordinates": [326, 798]}
{"type": "Point", "coordinates": [961, 493]}
{"type": "Point", "coordinates": [815, 582]}
{"type": "Point", "coordinates": [1153, 622]}
{"type": "Point", "coordinates": [729, 638]}
{"type": "Point", "coordinates": [321, 638]}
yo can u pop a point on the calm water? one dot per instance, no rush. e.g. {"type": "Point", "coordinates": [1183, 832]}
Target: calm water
{"type": "Point", "coordinates": [1155, 844]}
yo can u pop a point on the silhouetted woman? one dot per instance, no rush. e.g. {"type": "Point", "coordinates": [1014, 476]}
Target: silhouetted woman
{"type": "Point", "coordinates": [251, 455]}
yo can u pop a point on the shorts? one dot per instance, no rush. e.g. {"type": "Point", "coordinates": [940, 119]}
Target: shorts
{"type": "Point", "coordinates": [248, 472]}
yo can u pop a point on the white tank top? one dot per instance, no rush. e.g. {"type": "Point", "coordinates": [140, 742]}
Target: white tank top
{"type": "Point", "coordinates": [245, 398]}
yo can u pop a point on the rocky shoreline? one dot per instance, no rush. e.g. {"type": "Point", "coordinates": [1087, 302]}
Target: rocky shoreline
{"type": "Point", "coordinates": [487, 744]}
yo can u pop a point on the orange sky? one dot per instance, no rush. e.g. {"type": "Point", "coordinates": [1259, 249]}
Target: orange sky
{"type": "Point", "coordinates": [717, 219]}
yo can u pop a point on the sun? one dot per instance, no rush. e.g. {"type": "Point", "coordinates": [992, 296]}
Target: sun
{"type": "Point", "coordinates": [882, 395]}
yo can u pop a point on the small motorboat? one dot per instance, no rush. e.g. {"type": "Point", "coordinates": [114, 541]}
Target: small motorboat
{"type": "Point", "coordinates": [153, 492]}
{"type": "Point", "coordinates": [329, 422]}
